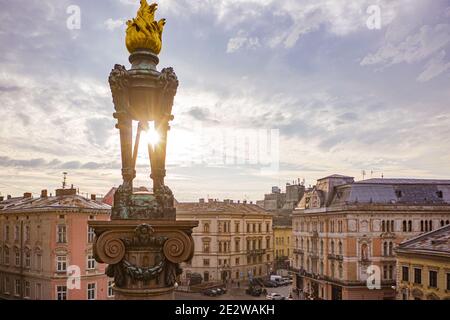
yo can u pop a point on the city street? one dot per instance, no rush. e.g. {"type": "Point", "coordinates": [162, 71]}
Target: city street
{"type": "Point", "coordinates": [232, 294]}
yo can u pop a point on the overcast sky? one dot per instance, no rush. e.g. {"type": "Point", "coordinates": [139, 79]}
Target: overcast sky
{"type": "Point", "coordinates": [343, 97]}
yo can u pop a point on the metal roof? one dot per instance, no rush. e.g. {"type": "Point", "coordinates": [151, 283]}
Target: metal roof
{"type": "Point", "coordinates": [403, 181]}
{"type": "Point", "coordinates": [61, 202]}
{"type": "Point", "coordinates": [437, 241]}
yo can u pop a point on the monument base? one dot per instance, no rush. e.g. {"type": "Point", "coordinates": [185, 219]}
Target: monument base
{"type": "Point", "coordinates": [143, 256]}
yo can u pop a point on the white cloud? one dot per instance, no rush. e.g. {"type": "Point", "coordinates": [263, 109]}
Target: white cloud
{"type": "Point", "coordinates": [112, 24]}
{"type": "Point", "coordinates": [434, 67]}
{"type": "Point", "coordinates": [424, 45]}
{"type": "Point", "coordinates": [242, 40]}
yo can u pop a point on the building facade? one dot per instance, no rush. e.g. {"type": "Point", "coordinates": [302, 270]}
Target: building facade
{"type": "Point", "coordinates": [345, 231]}
{"type": "Point", "coordinates": [233, 241]}
{"type": "Point", "coordinates": [282, 249]}
{"type": "Point", "coordinates": [423, 266]}
{"type": "Point", "coordinates": [46, 248]}
{"type": "Point", "coordinates": [279, 201]}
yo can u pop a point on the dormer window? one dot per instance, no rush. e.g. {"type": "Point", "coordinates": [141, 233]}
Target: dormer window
{"type": "Point", "coordinates": [398, 193]}
{"type": "Point", "coordinates": [440, 194]}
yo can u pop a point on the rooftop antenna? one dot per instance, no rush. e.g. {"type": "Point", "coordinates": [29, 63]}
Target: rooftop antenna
{"type": "Point", "coordinates": [64, 180]}
{"type": "Point", "coordinates": [382, 176]}
{"type": "Point", "coordinates": [363, 173]}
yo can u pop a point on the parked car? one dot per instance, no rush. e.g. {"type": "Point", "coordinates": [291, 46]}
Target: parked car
{"type": "Point", "coordinates": [275, 296]}
{"type": "Point", "coordinates": [211, 292]}
{"type": "Point", "coordinates": [269, 284]}
{"type": "Point", "coordinates": [254, 291]}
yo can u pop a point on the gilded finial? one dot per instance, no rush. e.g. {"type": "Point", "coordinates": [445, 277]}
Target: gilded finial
{"type": "Point", "coordinates": [144, 32]}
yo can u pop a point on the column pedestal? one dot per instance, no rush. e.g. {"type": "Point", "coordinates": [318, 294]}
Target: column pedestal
{"type": "Point", "coordinates": [143, 256]}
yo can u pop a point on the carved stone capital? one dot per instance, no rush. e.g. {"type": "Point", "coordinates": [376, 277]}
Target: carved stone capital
{"type": "Point", "coordinates": [143, 255]}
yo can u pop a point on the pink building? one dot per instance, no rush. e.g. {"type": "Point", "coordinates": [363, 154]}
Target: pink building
{"type": "Point", "coordinates": [46, 248]}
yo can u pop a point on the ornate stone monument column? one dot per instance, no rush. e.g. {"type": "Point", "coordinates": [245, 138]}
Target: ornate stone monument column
{"type": "Point", "coordinates": [143, 244]}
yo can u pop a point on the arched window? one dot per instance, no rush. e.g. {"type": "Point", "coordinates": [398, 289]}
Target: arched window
{"type": "Point", "coordinates": [321, 247]}
{"type": "Point", "coordinates": [447, 222]}
{"type": "Point", "coordinates": [332, 247]}
{"type": "Point", "coordinates": [206, 227]}
{"type": "Point", "coordinates": [404, 226]}
{"type": "Point", "coordinates": [392, 226]}
{"type": "Point", "coordinates": [385, 248]}
{"type": "Point", "coordinates": [296, 242]}
{"type": "Point", "coordinates": [409, 226]}
{"type": "Point", "coordinates": [383, 226]}
{"type": "Point", "coordinates": [442, 223]}
{"type": "Point", "coordinates": [431, 225]}
{"type": "Point", "coordinates": [307, 245]}
{"type": "Point", "coordinates": [421, 226]}
{"type": "Point", "coordinates": [340, 247]}
{"type": "Point", "coordinates": [341, 271]}
{"type": "Point", "coordinates": [391, 246]}
{"type": "Point", "coordinates": [321, 267]}
{"type": "Point", "coordinates": [303, 247]}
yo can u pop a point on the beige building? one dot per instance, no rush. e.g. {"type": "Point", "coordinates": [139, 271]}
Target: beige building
{"type": "Point", "coordinates": [344, 230]}
{"type": "Point", "coordinates": [423, 265]}
{"type": "Point", "coordinates": [233, 241]}
{"type": "Point", "coordinates": [46, 239]}
{"type": "Point", "coordinates": [282, 235]}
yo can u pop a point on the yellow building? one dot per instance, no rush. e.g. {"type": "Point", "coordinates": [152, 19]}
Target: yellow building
{"type": "Point", "coordinates": [282, 235]}
{"type": "Point", "coordinates": [423, 265]}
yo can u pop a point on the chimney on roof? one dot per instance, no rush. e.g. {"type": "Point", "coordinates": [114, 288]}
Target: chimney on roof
{"type": "Point", "coordinates": [239, 201]}
{"type": "Point", "coordinates": [27, 195]}
{"type": "Point", "coordinates": [251, 202]}
{"type": "Point", "coordinates": [44, 193]}
{"type": "Point", "coordinates": [244, 202]}
{"type": "Point", "coordinates": [93, 197]}
{"type": "Point", "coordinates": [201, 200]}
{"type": "Point", "coordinates": [8, 196]}
{"type": "Point", "coordinates": [2, 198]}
{"type": "Point", "coordinates": [65, 192]}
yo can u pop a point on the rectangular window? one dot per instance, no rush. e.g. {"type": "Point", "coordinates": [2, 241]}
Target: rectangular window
{"type": "Point", "coordinates": [91, 291]}
{"type": "Point", "coordinates": [38, 293]}
{"type": "Point", "coordinates": [27, 289]}
{"type": "Point", "coordinates": [61, 263]}
{"type": "Point", "coordinates": [6, 285]}
{"type": "Point", "coordinates": [17, 288]}
{"type": "Point", "coordinates": [27, 233]}
{"type": "Point", "coordinates": [417, 275]}
{"type": "Point", "coordinates": [38, 261]}
{"type": "Point", "coordinates": [237, 261]}
{"type": "Point", "coordinates": [91, 235]}
{"type": "Point", "coordinates": [6, 233]}
{"type": "Point", "coordinates": [206, 262]}
{"type": "Point", "coordinates": [433, 279]}
{"type": "Point", "coordinates": [61, 234]}
{"type": "Point", "coordinates": [61, 293]}
{"type": "Point", "coordinates": [90, 262]}
{"type": "Point", "coordinates": [16, 233]}
{"type": "Point", "coordinates": [6, 256]}
{"type": "Point", "coordinates": [28, 259]}
{"type": "Point", "coordinates": [17, 254]}
{"type": "Point", "coordinates": [237, 227]}
{"type": "Point", "coordinates": [405, 274]}
{"type": "Point", "coordinates": [110, 289]}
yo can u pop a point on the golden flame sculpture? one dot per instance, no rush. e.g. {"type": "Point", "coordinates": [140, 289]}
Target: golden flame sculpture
{"type": "Point", "coordinates": [144, 32]}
